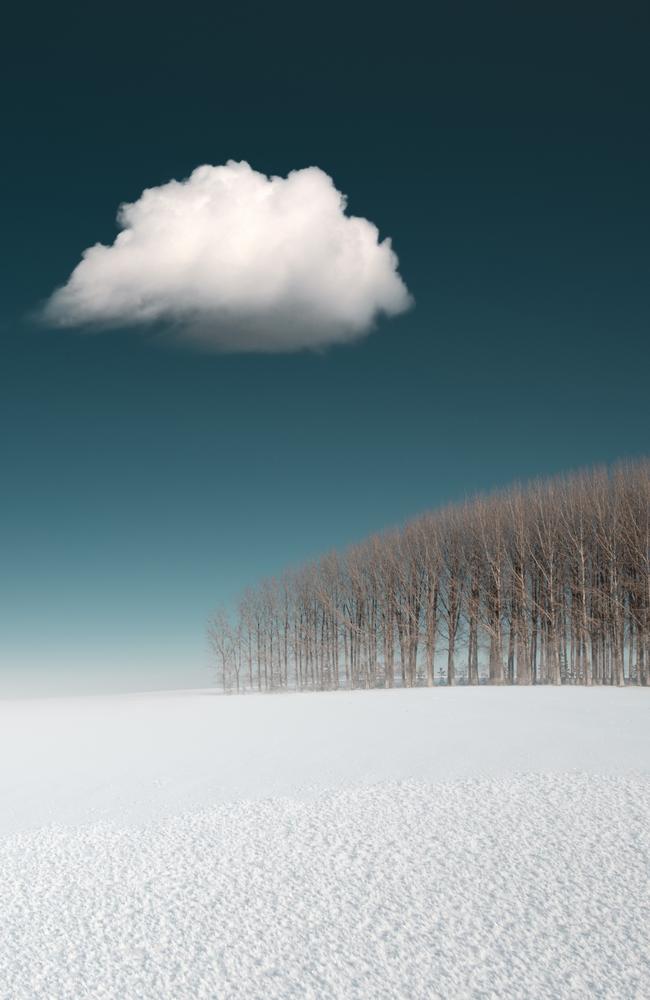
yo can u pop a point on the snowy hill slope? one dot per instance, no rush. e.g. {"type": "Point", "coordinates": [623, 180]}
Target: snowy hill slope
{"type": "Point", "coordinates": [415, 844]}
{"type": "Point", "coordinates": [131, 758]}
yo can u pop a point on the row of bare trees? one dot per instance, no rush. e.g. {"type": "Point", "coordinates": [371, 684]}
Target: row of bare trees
{"type": "Point", "coordinates": [548, 584]}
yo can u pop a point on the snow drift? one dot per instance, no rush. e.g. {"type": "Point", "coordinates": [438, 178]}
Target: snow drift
{"type": "Point", "coordinates": [461, 843]}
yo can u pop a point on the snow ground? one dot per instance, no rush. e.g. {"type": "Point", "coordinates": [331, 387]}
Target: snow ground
{"type": "Point", "coordinates": [407, 844]}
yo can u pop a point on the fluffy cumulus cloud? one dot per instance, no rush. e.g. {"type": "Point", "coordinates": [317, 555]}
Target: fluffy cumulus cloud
{"type": "Point", "coordinates": [239, 261]}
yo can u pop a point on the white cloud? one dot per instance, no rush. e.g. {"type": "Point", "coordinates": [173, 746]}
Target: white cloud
{"type": "Point", "coordinates": [238, 261]}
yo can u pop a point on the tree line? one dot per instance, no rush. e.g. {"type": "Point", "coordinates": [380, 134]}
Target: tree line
{"type": "Point", "coordinates": [543, 584]}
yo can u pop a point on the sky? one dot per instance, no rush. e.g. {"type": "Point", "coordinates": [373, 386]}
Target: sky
{"type": "Point", "coordinates": [148, 477]}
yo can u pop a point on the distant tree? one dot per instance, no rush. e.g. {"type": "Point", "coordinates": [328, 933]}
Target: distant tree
{"type": "Point", "coordinates": [544, 584]}
{"type": "Point", "coordinates": [221, 636]}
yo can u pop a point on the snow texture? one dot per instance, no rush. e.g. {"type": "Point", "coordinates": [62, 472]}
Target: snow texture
{"type": "Point", "coordinates": [418, 844]}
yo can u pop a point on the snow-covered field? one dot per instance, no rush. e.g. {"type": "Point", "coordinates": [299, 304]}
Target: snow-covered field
{"type": "Point", "coordinates": [475, 843]}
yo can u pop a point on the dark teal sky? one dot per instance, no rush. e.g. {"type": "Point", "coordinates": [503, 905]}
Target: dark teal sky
{"type": "Point", "coordinates": [507, 155]}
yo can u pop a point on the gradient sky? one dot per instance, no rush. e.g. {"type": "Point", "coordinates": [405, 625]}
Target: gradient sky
{"type": "Point", "coordinates": [505, 153]}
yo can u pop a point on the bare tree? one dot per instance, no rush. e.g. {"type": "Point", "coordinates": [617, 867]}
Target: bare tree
{"type": "Point", "coordinates": [221, 636]}
{"type": "Point", "coordinates": [544, 584]}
